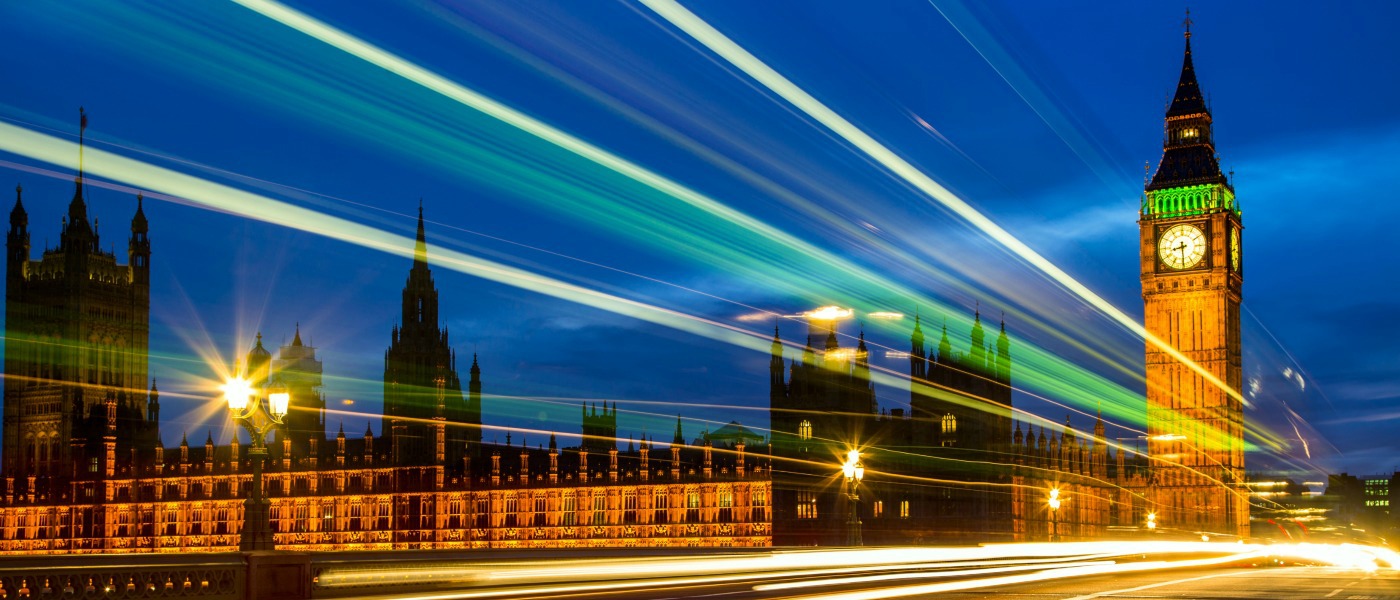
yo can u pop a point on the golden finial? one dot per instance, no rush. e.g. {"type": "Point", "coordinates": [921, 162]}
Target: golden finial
{"type": "Point", "coordinates": [1187, 23]}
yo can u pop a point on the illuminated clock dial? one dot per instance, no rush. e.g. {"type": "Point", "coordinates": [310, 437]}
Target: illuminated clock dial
{"type": "Point", "coordinates": [1182, 246]}
{"type": "Point", "coordinates": [1235, 249]}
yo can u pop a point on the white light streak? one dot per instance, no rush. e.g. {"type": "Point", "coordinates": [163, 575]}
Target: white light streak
{"type": "Point", "coordinates": [725, 48]}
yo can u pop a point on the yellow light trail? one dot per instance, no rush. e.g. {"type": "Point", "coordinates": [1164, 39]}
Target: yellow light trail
{"type": "Point", "coordinates": [722, 46]}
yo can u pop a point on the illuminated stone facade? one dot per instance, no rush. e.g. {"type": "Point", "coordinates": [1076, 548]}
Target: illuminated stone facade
{"type": "Point", "coordinates": [191, 500]}
{"type": "Point", "coordinates": [430, 483]}
{"type": "Point", "coordinates": [1192, 280]}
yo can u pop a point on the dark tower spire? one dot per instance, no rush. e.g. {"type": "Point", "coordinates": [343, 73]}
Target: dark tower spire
{"type": "Point", "coordinates": [978, 356]}
{"type": "Point", "coordinates": [776, 388]}
{"type": "Point", "coordinates": [420, 245]}
{"type": "Point", "coordinates": [945, 348]}
{"type": "Point", "coordinates": [679, 440]}
{"type": "Point", "coordinates": [78, 235]}
{"type": "Point", "coordinates": [918, 355]}
{"type": "Point", "coordinates": [1188, 156]}
{"type": "Point", "coordinates": [1003, 360]}
{"type": "Point", "coordinates": [17, 241]}
{"type": "Point", "coordinates": [78, 181]}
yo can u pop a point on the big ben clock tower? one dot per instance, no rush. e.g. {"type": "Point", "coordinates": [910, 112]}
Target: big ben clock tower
{"type": "Point", "coordinates": [1191, 287]}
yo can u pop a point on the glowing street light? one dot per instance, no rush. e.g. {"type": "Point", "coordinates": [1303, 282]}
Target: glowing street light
{"type": "Point", "coordinates": [1054, 503]}
{"type": "Point", "coordinates": [258, 415]}
{"type": "Point", "coordinates": [854, 471]}
{"type": "Point", "coordinates": [1151, 521]}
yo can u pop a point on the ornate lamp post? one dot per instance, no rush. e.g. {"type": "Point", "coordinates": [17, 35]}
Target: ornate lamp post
{"type": "Point", "coordinates": [854, 472]}
{"type": "Point", "coordinates": [258, 415]}
{"type": "Point", "coordinates": [1054, 503]}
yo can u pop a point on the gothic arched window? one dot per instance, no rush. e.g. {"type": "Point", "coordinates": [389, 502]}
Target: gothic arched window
{"type": "Point", "coordinates": [950, 423]}
{"type": "Point", "coordinates": [804, 430]}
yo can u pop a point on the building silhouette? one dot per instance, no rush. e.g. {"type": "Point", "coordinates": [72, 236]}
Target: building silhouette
{"type": "Point", "coordinates": [425, 417]}
{"type": "Point", "coordinates": [959, 410]}
{"type": "Point", "coordinates": [77, 330]}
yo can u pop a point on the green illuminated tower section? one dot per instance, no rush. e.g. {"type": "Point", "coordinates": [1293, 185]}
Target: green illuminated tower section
{"type": "Point", "coordinates": [1191, 288]}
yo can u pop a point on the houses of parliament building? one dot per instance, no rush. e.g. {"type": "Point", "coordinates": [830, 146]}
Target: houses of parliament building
{"type": "Point", "coordinates": [85, 469]}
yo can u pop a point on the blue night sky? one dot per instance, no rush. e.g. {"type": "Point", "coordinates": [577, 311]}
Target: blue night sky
{"type": "Point", "coordinates": [1039, 115]}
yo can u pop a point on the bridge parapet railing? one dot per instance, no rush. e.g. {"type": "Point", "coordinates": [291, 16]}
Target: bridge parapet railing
{"type": "Point", "coordinates": [207, 576]}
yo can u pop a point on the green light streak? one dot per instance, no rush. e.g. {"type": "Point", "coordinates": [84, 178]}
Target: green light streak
{"type": "Point", "coordinates": [721, 45]}
{"type": "Point", "coordinates": [695, 226]}
{"type": "Point", "coordinates": [780, 257]}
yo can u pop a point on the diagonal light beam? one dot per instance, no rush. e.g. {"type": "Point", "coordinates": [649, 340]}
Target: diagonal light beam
{"type": "Point", "coordinates": [721, 45]}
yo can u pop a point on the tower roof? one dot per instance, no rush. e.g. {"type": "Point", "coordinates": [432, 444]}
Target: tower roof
{"type": "Point", "coordinates": [1188, 99]}
{"type": "Point", "coordinates": [138, 221]}
{"type": "Point", "coordinates": [420, 245]}
{"type": "Point", "coordinates": [18, 216]}
{"type": "Point", "coordinates": [1188, 155]}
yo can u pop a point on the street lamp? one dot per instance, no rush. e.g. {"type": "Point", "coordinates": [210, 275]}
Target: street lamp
{"type": "Point", "coordinates": [854, 472]}
{"type": "Point", "coordinates": [1054, 503]}
{"type": "Point", "coordinates": [258, 415]}
{"type": "Point", "coordinates": [1151, 521]}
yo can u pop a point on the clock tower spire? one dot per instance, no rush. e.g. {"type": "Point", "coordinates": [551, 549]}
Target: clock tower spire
{"type": "Point", "coordinates": [1190, 226]}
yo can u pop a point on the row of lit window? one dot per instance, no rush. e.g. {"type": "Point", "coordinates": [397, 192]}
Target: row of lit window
{"type": "Point", "coordinates": [804, 429]}
{"type": "Point", "coordinates": [807, 507]}
{"type": "Point", "coordinates": [1377, 503]}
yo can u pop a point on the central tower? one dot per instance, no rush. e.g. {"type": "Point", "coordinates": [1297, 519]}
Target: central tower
{"type": "Point", "coordinates": [425, 418]}
{"type": "Point", "coordinates": [1191, 287]}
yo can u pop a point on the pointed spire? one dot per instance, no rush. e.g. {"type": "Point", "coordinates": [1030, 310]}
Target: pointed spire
{"type": "Point", "coordinates": [369, 433]}
{"type": "Point", "coordinates": [945, 348]}
{"type": "Point", "coordinates": [184, 438]}
{"type": "Point", "coordinates": [19, 219]}
{"type": "Point", "coordinates": [1188, 99]}
{"type": "Point", "coordinates": [296, 339]}
{"type": "Point", "coordinates": [138, 221]}
{"type": "Point", "coordinates": [553, 445]}
{"type": "Point", "coordinates": [82, 143]}
{"type": "Point", "coordinates": [209, 441]}
{"type": "Point", "coordinates": [680, 438]}
{"type": "Point", "coordinates": [341, 432]}
{"type": "Point", "coordinates": [420, 246]}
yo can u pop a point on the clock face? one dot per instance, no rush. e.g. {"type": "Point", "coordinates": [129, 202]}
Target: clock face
{"type": "Point", "coordinates": [1182, 246]}
{"type": "Point", "coordinates": [1235, 249]}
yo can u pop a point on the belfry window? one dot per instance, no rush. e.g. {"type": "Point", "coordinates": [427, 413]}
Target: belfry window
{"type": "Point", "coordinates": [1190, 133]}
{"type": "Point", "coordinates": [804, 430]}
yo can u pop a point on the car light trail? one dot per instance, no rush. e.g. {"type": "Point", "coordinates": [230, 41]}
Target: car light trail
{"type": "Point", "coordinates": [1009, 563]}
